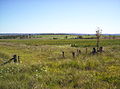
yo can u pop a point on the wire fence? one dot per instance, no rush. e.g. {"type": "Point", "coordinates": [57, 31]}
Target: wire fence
{"type": "Point", "coordinates": [70, 48]}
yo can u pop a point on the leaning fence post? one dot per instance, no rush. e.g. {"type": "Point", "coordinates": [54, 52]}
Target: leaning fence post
{"type": "Point", "coordinates": [14, 58]}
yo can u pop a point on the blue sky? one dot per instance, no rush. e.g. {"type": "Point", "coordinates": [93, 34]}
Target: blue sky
{"type": "Point", "coordinates": [59, 16]}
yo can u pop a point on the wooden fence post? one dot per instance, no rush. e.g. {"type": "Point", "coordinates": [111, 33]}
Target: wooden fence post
{"type": "Point", "coordinates": [78, 52]}
{"type": "Point", "coordinates": [63, 54]}
{"type": "Point", "coordinates": [73, 54]}
{"type": "Point", "coordinates": [18, 59]}
{"type": "Point", "coordinates": [14, 58]}
{"type": "Point", "coordinates": [94, 51]}
{"type": "Point", "coordinates": [101, 49]}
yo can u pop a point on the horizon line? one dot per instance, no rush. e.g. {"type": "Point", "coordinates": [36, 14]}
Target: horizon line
{"type": "Point", "coordinates": [49, 33]}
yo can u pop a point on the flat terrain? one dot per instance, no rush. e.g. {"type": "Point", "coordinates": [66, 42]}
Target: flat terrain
{"type": "Point", "coordinates": [42, 65]}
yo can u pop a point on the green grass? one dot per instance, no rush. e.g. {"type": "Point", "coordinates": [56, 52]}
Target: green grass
{"type": "Point", "coordinates": [78, 42]}
{"type": "Point", "coordinates": [42, 65]}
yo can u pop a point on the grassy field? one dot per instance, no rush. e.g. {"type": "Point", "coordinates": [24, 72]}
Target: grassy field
{"type": "Point", "coordinates": [43, 67]}
{"type": "Point", "coordinates": [78, 42]}
{"type": "Point", "coordinates": [57, 36]}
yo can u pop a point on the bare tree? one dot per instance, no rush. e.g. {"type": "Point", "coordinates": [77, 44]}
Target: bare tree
{"type": "Point", "coordinates": [98, 34]}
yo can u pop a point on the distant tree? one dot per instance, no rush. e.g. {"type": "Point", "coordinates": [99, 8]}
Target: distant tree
{"type": "Point", "coordinates": [79, 37]}
{"type": "Point", "coordinates": [55, 38]}
{"type": "Point", "coordinates": [66, 37]}
{"type": "Point", "coordinates": [98, 34]}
